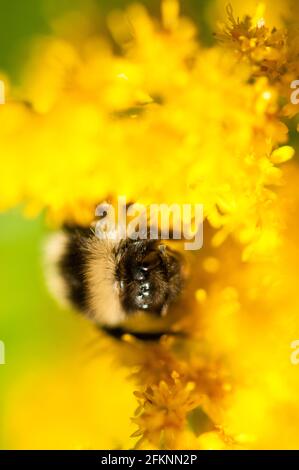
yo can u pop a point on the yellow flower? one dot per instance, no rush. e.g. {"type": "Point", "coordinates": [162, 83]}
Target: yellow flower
{"type": "Point", "coordinates": [167, 120]}
{"type": "Point", "coordinates": [92, 111]}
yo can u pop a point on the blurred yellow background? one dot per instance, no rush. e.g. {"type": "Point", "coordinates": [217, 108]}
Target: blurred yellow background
{"type": "Point", "coordinates": [61, 387]}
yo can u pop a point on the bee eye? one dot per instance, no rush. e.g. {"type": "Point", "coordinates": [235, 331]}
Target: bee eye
{"type": "Point", "coordinates": [141, 271]}
{"type": "Point", "coordinates": [150, 261]}
{"type": "Point", "coordinates": [148, 276]}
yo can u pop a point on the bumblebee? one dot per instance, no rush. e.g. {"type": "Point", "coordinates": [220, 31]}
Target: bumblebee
{"type": "Point", "coordinates": [123, 286]}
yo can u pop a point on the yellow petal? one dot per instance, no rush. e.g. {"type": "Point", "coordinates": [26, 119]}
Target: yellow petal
{"type": "Point", "coordinates": [282, 154]}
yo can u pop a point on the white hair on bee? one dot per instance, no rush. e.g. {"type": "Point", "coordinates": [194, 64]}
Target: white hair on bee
{"type": "Point", "coordinates": [54, 249]}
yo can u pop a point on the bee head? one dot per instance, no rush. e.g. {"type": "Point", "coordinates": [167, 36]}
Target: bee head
{"type": "Point", "coordinates": [149, 276]}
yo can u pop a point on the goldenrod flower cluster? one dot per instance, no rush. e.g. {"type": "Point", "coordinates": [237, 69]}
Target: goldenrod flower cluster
{"type": "Point", "coordinates": [152, 114]}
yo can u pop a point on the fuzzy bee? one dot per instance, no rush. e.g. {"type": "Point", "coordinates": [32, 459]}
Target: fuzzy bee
{"type": "Point", "coordinates": [123, 285]}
